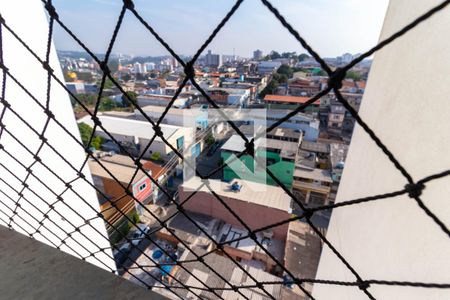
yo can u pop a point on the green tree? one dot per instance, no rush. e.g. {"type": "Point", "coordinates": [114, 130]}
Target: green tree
{"type": "Point", "coordinates": [209, 139]}
{"type": "Point", "coordinates": [97, 142]}
{"type": "Point", "coordinates": [274, 55]}
{"type": "Point", "coordinates": [156, 156]}
{"type": "Point", "coordinates": [286, 70]}
{"type": "Point", "coordinates": [303, 56]}
{"type": "Point", "coordinates": [131, 96]}
{"type": "Point", "coordinates": [107, 104]}
{"type": "Point", "coordinates": [289, 54]}
{"type": "Point", "coordinates": [85, 132]}
{"type": "Point", "coordinates": [280, 78]}
{"type": "Point", "coordinates": [108, 84]}
{"type": "Point", "coordinates": [353, 75]}
{"type": "Point", "coordinates": [135, 219]}
{"type": "Point", "coordinates": [270, 87]}
{"type": "Point", "coordinates": [87, 99]}
{"type": "Point", "coordinates": [113, 65]}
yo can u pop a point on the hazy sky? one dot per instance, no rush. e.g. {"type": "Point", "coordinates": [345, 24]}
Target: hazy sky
{"type": "Point", "coordinates": [332, 27]}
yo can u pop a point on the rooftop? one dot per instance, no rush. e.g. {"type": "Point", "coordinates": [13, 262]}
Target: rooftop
{"type": "Point", "coordinates": [337, 109]}
{"type": "Point", "coordinates": [315, 147]}
{"type": "Point", "coordinates": [289, 99]}
{"type": "Point", "coordinates": [229, 90]}
{"type": "Point", "coordinates": [338, 153]}
{"type": "Point", "coordinates": [251, 192]}
{"type": "Point", "coordinates": [123, 168]}
{"type": "Point", "coordinates": [172, 110]}
{"type": "Point", "coordinates": [314, 174]}
{"type": "Point", "coordinates": [303, 249]}
{"type": "Point", "coordinates": [229, 270]}
{"type": "Point", "coordinates": [287, 149]}
{"type": "Point", "coordinates": [285, 132]}
{"type": "Point", "coordinates": [128, 127]}
{"type": "Point", "coordinates": [274, 246]}
{"type": "Point", "coordinates": [188, 231]}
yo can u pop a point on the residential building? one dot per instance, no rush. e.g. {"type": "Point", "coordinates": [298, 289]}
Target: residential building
{"type": "Point", "coordinates": [354, 99]}
{"type": "Point", "coordinates": [338, 154]}
{"type": "Point", "coordinates": [162, 100]}
{"type": "Point", "coordinates": [257, 204]}
{"type": "Point", "coordinates": [268, 67]}
{"type": "Point", "coordinates": [321, 152]}
{"type": "Point", "coordinates": [138, 68]}
{"type": "Point", "coordinates": [301, 257]}
{"type": "Point", "coordinates": [229, 96]}
{"type": "Point", "coordinates": [303, 87]}
{"type": "Point", "coordinates": [229, 271]}
{"type": "Point", "coordinates": [312, 185]}
{"type": "Point", "coordinates": [213, 60]}
{"type": "Point", "coordinates": [257, 54]}
{"type": "Point", "coordinates": [336, 117]}
{"type": "Point", "coordinates": [149, 66]}
{"type": "Point", "coordinates": [277, 157]}
{"type": "Point", "coordinates": [175, 116]}
{"type": "Point", "coordinates": [82, 87]}
{"type": "Point", "coordinates": [122, 174]}
{"type": "Point", "coordinates": [134, 135]}
{"type": "Point", "coordinates": [289, 102]}
{"type": "Point", "coordinates": [306, 123]}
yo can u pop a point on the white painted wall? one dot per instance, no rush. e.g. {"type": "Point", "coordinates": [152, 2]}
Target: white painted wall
{"type": "Point", "coordinates": [27, 18]}
{"type": "Point", "coordinates": [407, 104]}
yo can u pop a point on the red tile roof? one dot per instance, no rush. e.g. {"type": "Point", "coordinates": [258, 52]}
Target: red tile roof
{"type": "Point", "coordinates": [155, 169]}
{"type": "Point", "coordinates": [348, 83]}
{"type": "Point", "coordinates": [290, 99]}
{"type": "Point", "coordinates": [361, 84]}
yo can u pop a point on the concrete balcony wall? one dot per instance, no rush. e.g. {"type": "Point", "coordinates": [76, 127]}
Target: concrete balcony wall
{"type": "Point", "coordinates": [406, 103]}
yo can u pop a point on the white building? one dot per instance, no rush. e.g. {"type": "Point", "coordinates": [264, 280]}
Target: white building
{"type": "Point", "coordinates": [267, 67]}
{"type": "Point", "coordinates": [137, 68]}
{"type": "Point", "coordinates": [149, 66]}
{"type": "Point", "coordinates": [135, 134]}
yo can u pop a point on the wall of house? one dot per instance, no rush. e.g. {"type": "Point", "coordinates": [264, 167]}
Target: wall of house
{"type": "Point", "coordinates": [115, 190]}
{"type": "Point", "coordinates": [254, 215]}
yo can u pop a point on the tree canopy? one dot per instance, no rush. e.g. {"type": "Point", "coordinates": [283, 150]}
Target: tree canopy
{"type": "Point", "coordinates": [86, 133]}
{"type": "Point", "coordinates": [132, 96]}
{"type": "Point", "coordinates": [303, 56]}
{"type": "Point", "coordinates": [353, 75]}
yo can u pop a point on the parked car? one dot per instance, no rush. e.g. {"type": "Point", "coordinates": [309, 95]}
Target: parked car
{"type": "Point", "coordinates": [138, 235]}
{"type": "Point", "coordinates": [120, 258]}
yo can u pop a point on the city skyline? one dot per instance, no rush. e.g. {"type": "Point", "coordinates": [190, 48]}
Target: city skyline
{"type": "Point", "coordinates": [241, 36]}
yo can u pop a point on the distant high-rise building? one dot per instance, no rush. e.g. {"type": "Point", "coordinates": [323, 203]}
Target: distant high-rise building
{"type": "Point", "coordinates": [257, 54]}
{"type": "Point", "coordinates": [213, 60]}
{"type": "Point", "coordinates": [174, 62]}
{"type": "Point", "coordinates": [138, 68]}
{"type": "Point", "coordinates": [346, 58]}
{"type": "Point", "coordinates": [149, 66]}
